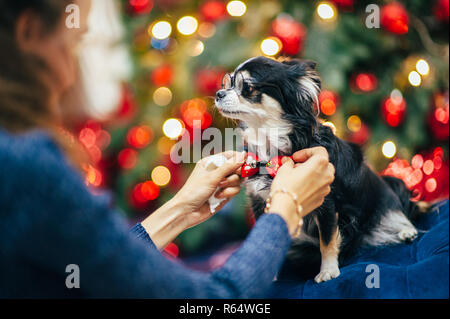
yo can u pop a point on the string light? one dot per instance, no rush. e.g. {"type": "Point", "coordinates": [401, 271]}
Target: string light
{"type": "Point", "coordinates": [161, 30]}
{"type": "Point", "coordinates": [161, 176]}
{"type": "Point", "coordinates": [423, 67]}
{"type": "Point", "coordinates": [173, 128]}
{"type": "Point", "coordinates": [236, 8]}
{"type": "Point", "coordinates": [165, 145]}
{"type": "Point", "coordinates": [197, 49]}
{"type": "Point", "coordinates": [127, 158]}
{"type": "Point", "coordinates": [140, 136]}
{"type": "Point", "coordinates": [414, 78]}
{"type": "Point", "coordinates": [271, 46]}
{"type": "Point", "coordinates": [431, 185]}
{"type": "Point", "coordinates": [389, 149]}
{"type": "Point", "coordinates": [206, 29]}
{"type": "Point", "coordinates": [162, 96]}
{"type": "Point", "coordinates": [187, 25]}
{"type": "Point", "coordinates": [354, 123]}
{"type": "Point", "coordinates": [326, 11]}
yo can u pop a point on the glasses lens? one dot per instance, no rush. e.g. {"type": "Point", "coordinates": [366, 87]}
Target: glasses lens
{"type": "Point", "coordinates": [226, 82]}
{"type": "Point", "coordinates": [239, 82]}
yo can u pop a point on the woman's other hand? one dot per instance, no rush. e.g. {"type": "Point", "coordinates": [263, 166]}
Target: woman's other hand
{"type": "Point", "coordinates": [203, 183]}
{"type": "Point", "coordinates": [309, 178]}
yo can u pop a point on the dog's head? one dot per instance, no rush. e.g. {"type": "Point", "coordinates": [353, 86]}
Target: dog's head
{"type": "Point", "coordinates": [266, 93]}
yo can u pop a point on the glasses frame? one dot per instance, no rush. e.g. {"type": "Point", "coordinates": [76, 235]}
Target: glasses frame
{"type": "Point", "coordinates": [255, 85]}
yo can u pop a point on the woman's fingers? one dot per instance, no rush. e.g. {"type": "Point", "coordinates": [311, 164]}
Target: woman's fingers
{"type": "Point", "coordinates": [303, 155]}
{"type": "Point", "coordinates": [230, 166]}
{"type": "Point", "coordinates": [228, 192]}
{"type": "Point", "coordinates": [230, 181]}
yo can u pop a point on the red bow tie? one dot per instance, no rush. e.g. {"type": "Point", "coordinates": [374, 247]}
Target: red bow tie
{"type": "Point", "coordinates": [252, 165]}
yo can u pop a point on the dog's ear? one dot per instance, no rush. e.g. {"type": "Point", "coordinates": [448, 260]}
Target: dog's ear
{"type": "Point", "coordinates": [304, 72]}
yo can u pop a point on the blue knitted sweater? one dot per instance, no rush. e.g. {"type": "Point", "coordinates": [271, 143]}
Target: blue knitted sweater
{"type": "Point", "coordinates": [49, 220]}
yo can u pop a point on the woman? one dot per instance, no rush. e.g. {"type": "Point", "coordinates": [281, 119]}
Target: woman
{"type": "Point", "coordinates": [49, 220]}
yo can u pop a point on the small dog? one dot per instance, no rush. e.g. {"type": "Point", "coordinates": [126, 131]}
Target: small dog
{"type": "Point", "coordinates": [362, 208]}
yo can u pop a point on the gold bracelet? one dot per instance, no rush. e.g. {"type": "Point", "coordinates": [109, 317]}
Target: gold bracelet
{"type": "Point", "coordinates": [297, 205]}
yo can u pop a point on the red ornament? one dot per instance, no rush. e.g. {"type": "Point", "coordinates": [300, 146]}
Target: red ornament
{"type": "Point", "coordinates": [140, 136]}
{"type": "Point", "coordinates": [127, 105]}
{"type": "Point", "coordinates": [361, 136]}
{"type": "Point", "coordinates": [439, 116]}
{"type": "Point", "coordinates": [365, 82]}
{"type": "Point", "coordinates": [127, 158]}
{"type": "Point", "coordinates": [291, 33]}
{"type": "Point", "coordinates": [394, 18]}
{"type": "Point", "coordinates": [347, 5]}
{"type": "Point", "coordinates": [441, 10]}
{"type": "Point", "coordinates": [426, 177]}
{"type": "Point", "coordinates": [162, 75]}
{"type": "Point", "coordinates": [328, 102]}
{"type": "Point", "coordinates": [141, 6]}
{"type": "Point", "coordinates": [213, 11]}
{"type": "Point", "coordinates": [208, 81]}
{"type": "Point", "coordinates": [393, 111]}
{"type": "Point", "coordinates": [195, 110]}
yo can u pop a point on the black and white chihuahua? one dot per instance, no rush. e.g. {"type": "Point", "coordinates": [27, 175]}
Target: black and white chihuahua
{"type": "Point", "coordinates": [362, 208]}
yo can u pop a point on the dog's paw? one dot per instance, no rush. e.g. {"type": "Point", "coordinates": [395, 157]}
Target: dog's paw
{"type": "Point", "coordinates": [408, 234]}
{"type": "Point", "coordinates": [327, 273]}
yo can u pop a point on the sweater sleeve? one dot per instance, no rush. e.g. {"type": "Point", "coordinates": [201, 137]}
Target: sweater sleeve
{"type": "Point", "coordinates": [139, 232]}
{"type": "Point", "coordinates": [60, 223]}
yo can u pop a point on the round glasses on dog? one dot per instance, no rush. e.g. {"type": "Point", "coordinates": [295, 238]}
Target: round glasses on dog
{"type": "Point", "coordinates": [238, 82]}
{"type": "Point", "coordinates": [238, 85]}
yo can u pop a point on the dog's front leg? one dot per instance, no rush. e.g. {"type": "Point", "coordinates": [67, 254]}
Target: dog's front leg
{"type": "Point", "coordinates": [330, 241]}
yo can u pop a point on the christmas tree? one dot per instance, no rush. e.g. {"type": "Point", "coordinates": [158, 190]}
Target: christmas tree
{"type": "Point", "coordinates": [384, 69]}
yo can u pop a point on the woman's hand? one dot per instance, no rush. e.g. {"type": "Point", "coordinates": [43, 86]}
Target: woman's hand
{"type": "Point", "coordinates": [309, 179]}
{"type": "Point", "coordinates": [190, 206]}
{"type": "Point", "coordinates": [203, 183]}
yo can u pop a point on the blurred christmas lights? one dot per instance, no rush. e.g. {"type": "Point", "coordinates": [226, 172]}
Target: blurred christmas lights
{"type": "Point", "coordinates": [162, 96]}
{"type": "Point", "coordinates": [236, 8]}
{"type": "Point", "coordinates": [271, 46]}
{"type": "Point", "coordinates": [423, 67]}
{"type": "Point", "coordinates": [414, 78]}
{"type": "Point", "coordinates": [173, 128]}
{"type": "Point", "coordinates": [389, 149]}
{"type": "Point", "coordinates": [187, 25]}
{"type": "Point", "coordinates": [326, 10]}
{"type": "Point", "coordinates": [161, 30]}
{"type": "Point", "coordinates": [140, 136]}
{"type": "Point", "coordinates": [161, 176]}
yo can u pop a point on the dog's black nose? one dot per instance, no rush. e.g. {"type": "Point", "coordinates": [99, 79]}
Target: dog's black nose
{"type": "Point", "coordinates": [220, 94]}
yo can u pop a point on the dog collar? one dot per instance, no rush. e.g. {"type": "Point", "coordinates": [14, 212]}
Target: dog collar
{"type": "Point", "coordinates": [253, 165]}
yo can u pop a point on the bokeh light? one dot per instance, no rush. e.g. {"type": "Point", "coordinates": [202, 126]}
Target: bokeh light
{"type": "Point", "coordinates": [187, 25]}
{"type": "Point", "coordinates": [173, 128]}
{"type": "Point", "coordinates": [127, 158]}
{"type": "Point", "coordinates": [207, 30]}
{"type": "Point", "coordinates": [161, 30]}
{"type": "Point", "coordinates": [162, 96]}
{"type": "Point", "coordinates": [326, 11]}
{"type": "Point", "coordinates": [197, 48]}
{"type": "Point", "coordinates": [423, 67]}
{"type": "Point", "coordinates": [389, 149]}
{"type": "Point", "coordinates": [354, 123]}
{"type": "Point", "coordinates": [414, 78]}
{"type": "Point", "coordinates": [236, 8]}
{"type": "Point", "coordinates": [271, 46]}
{"type": "Point", "coordinates": [140, 136]}
{"type": "Point", "coordinates": [161, 176]}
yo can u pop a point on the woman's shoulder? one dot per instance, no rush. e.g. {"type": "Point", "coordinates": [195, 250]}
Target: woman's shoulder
{"type": "Point", "coordinates": [27, 157]}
